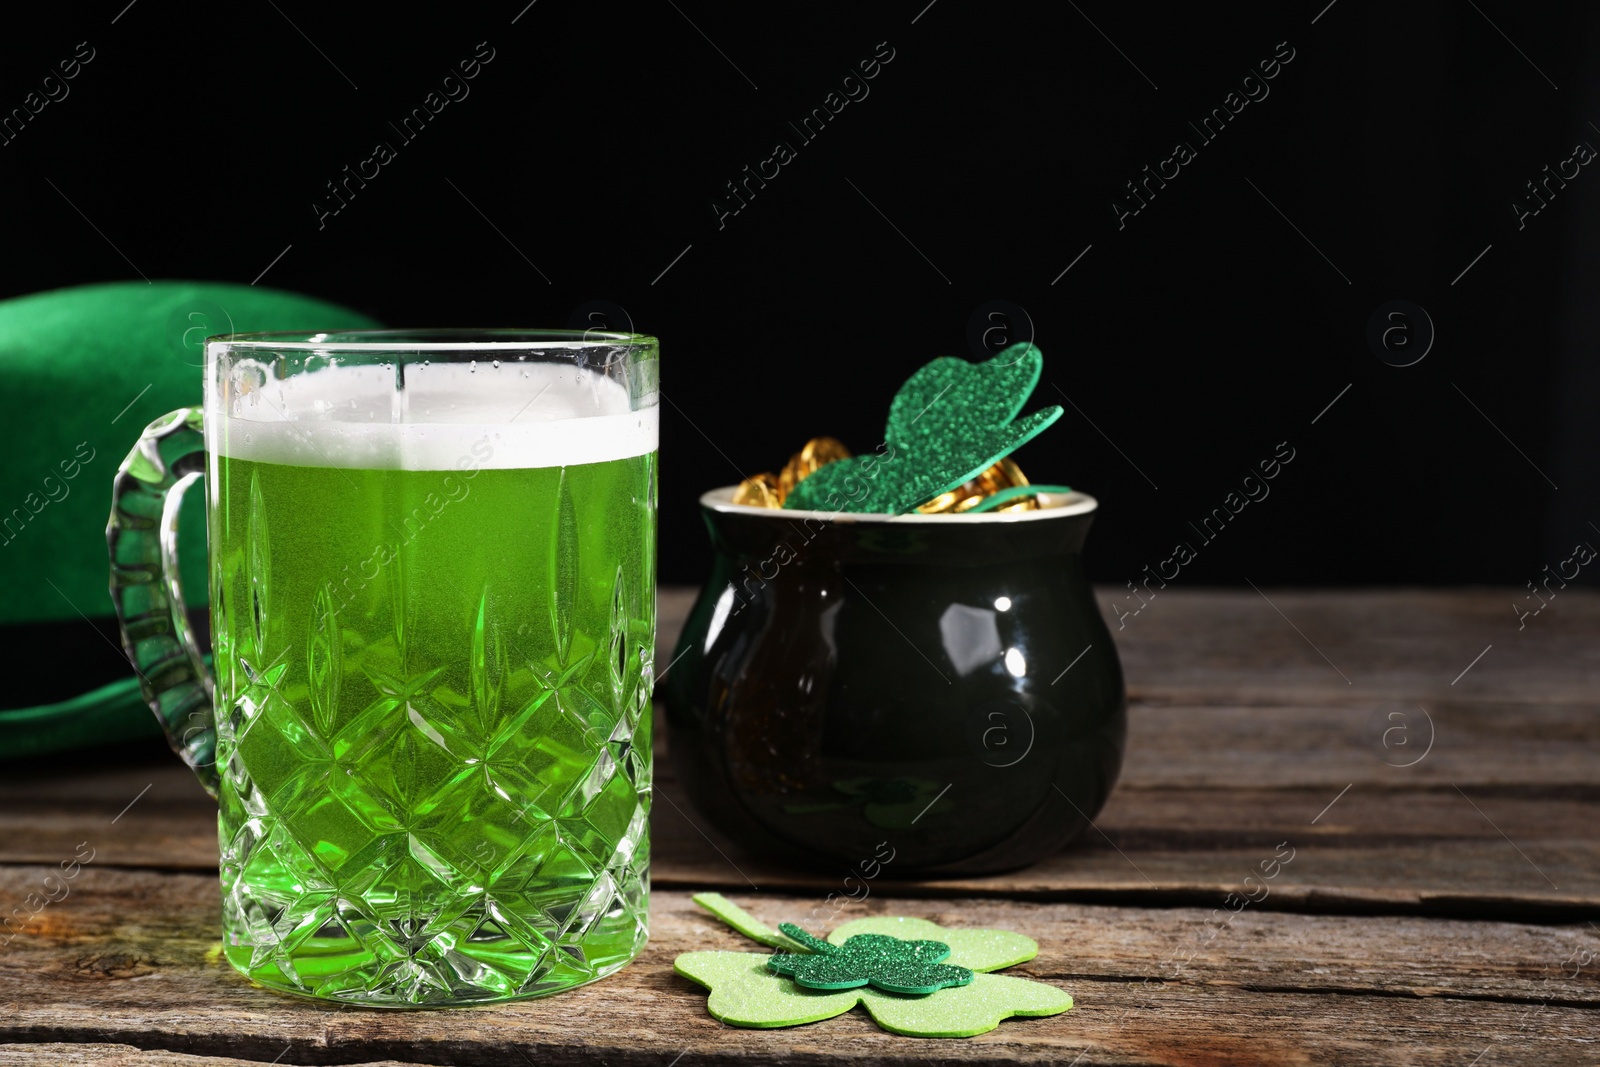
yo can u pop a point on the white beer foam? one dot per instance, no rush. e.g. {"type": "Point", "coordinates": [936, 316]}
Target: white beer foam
{"type": "Point", "coordinates": [448, 416]}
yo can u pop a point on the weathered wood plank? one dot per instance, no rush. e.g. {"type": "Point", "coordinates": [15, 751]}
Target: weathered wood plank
{"type": "Point", "coordinates": [1429, 876]}
{"type": "Point", "coordinates": [126, 959]}
{"type": "Point", "coordinates": [98, 1054]}
{"type": "Point", "coordinates": [1469, 793]}
{"type": "Point", "coordinates": [1233, 646]}
{"type": "Point", "coordinates": [1497, 819]}
{"type": "Point", "coordinates": [1535, 748]}
{"type": "Point", "coordinates": [1389, 745]}
{"type": "Point", "coordinates": [1402, 842]}
{"type": "Point", "coordinates": [1201, 646]}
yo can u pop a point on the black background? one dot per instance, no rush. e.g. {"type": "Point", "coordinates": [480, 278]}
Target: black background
{"type": "Point", "coordinates": [1221, 320]}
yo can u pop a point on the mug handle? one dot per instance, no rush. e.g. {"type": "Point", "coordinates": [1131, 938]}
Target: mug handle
{"type": "Point", "coordinates": [147, 590]}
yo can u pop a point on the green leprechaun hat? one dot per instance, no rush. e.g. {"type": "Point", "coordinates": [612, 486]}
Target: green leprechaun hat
{"type": "Point", "coordinates": [82, 371]}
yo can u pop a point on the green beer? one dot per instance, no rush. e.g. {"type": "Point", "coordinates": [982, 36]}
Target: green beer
{"type": "Point", "coordinates": [433, 630]}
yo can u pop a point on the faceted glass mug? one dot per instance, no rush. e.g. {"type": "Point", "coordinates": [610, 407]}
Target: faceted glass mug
{"type": "Point", "coordinates": [432, 577]}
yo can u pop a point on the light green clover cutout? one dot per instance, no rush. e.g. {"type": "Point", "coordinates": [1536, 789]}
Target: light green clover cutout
{"type": "Point", "coordinates": [745, 991]}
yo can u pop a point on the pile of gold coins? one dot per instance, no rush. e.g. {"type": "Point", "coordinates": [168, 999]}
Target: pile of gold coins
{"type": "Point", "coordinates": [766, 490]}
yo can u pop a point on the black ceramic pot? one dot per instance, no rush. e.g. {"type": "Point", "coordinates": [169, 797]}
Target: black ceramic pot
{"type": "Point", "coordinates": [940, 690]}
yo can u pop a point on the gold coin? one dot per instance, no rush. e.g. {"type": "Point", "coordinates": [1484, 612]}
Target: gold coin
{"type": "Point", "coordinates": [817, 453]}
{"type": "Point", "coordinates": [1010, 475]}
{"type": "Point", "coordinates": [942, 503]}
{"type": "Point", "coordinates": [758, 491]}
{"type": "Point", "coordinates": [1012, 472]}
{"type": "Point", "coordinates": [821, 451]}
{"type": "Point", "coordinates": [963, 498]}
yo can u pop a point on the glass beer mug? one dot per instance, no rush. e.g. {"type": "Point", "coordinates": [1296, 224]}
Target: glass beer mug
{"type": "Point", "coordinates": [432, 575]}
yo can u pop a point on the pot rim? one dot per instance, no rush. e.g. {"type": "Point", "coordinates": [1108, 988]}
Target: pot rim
{"type": "Point", "coordinates": [1053, 506]}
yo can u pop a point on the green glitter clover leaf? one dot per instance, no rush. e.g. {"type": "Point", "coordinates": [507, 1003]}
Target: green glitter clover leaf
{"type": "Point", "coordinates": [884, 961]}
{"type": "Point", "coordinates": [744, 991]}
{"type": "Point", "coordinates": [950, 421]}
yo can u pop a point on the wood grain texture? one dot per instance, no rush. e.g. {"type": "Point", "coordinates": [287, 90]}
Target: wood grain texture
{"type": "Point", "coordinates": [1243, 647]}
{"type": "Point", "coordinates": [1456, 834]}
{"type": "Point", "coordinates": [1423, 851]}
{"type": "Point", "coordinates": [102, 1054]}
{"type": "Point", "coordinates": [130, 958]}
{"type": "Point", "coordinates": [1464, 807]}
{"type": "Point", "coordinates": [1435, 911]}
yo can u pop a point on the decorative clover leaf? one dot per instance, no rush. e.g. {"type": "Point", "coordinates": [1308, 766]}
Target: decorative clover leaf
{"type": "Point", "coordinates": [745, 991]}
{"type": "Point", "coordinates": [949, 421]}
{"type": "Point", "coordinates": [883, 960]}
{"type": "Point", "coordinates": [976, 950]}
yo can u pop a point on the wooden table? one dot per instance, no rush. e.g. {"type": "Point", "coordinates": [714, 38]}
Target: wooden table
{"type": "Point", "coordinates": [1434, 770]}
